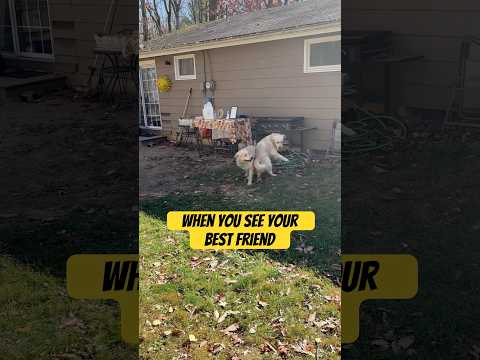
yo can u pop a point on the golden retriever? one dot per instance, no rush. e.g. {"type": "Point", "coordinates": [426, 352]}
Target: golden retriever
{"type": "Point", "coordinates": [258, 159]}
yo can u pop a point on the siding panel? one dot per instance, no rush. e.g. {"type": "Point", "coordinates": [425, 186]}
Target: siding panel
{"type": "Point", "coordinates": [430, 28]}
{"type": "Point", "coordinates": [264, 79]}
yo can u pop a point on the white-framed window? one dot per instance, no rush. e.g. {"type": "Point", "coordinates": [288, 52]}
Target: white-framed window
{"type": "Point", "coordinates": [149, 105]}
{"type": "Point", "coordinates": [322, 54]}
{"type": "Point", "coordinates": [25, 28]}
{"type": "Point", "coordinates": [185, 67]}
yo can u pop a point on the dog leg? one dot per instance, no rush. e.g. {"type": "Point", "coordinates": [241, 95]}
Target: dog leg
{"type": "Point", "coordinates": [250, 176]}
{"type": "Point", "coordinates": [268, 167]}
{"type": "Point", "coordinates": [277, 156]}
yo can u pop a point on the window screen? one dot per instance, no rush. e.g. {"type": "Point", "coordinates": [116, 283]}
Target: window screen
{"type": "Point", "coordinates": [325, 53]}
{"type": "Point", "coordinates": [186, 67]}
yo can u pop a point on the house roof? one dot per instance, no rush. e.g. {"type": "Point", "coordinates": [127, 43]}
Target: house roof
{"type": "Point", "coordinates": [283, 19]}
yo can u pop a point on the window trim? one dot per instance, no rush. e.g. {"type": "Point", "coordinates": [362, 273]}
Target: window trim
{"type": "Point", "coordinates": [306, 55]}
{"type": "Point", "coordinates": [17, 53]}
{"type": "Point", "coordinates": [177, 67]}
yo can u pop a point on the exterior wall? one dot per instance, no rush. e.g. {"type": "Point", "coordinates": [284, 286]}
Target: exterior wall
{"type": "Point", "coordinates": [433, 28]}
{"type": "Point", "coordinates": [264, 79]}
{"type": "Point", "coordinates": [73, 24]}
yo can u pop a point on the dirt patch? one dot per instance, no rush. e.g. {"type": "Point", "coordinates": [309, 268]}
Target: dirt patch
{"type": "Point", "coordinates": [167, 168]}
{"type": "Point", "coordinates": [67, 179]}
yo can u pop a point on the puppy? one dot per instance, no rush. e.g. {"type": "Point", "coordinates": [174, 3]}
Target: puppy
{"type": "Point", "coordinates": [267, 150]}
{"type": "Point", "coordinates": [244, 159]}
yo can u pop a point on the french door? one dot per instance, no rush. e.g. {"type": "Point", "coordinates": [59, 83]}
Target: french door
{"type": "Point", "coordinates": [149, 104]}
{"type": "Point", "coordinates": [25, 28]}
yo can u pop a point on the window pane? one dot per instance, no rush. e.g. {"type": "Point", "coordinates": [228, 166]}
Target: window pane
{"type": "Point", "coordinates": [6, 39]}
{"type": "Point", "coordinates": [22, 13]}
{"type": "Point", "coordinates": [24, 39]}
{"type": "Point", "coordinates": [47, 44]}
{"type": "Point", "coordinates": [4, 13]}
{"type": "Point", "coordinates": [37, 44]}
{"type": "Point", "coordinates": [43, 9]}
{"type": "Point", "coordinates": [327, 53]}
{"type": "Point", "coordinates": [186, 67]}
{"type": "Point", "coordinates": [33, 13]}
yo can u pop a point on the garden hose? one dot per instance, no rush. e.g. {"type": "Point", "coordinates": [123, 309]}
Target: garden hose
{"type": "Point", "coordinates": [372, 132]}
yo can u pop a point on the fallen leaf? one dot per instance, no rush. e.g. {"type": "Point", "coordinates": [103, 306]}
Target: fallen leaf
{"type": "Point", "coordinates": [231, 328]}
{"type": "Point", "coordinates": [216, 348]}
{"type": "Point", "coordinates": [192, 338]}
{"type": "Point", "coordinates": [311, 318]}
{"type": "Point", "coordinates": [267, 347]}
{"type": "Point", "coordinates": [156, 322]}
{"type": "Point", "coordinates": [216, 315]}
{"type": "Point", "coordinates": [72, 321]}
{"type": "Point", "coordinates": [406, 341]}
{"type": "Point", "coordinates": [262, 303]}
{"type": "Point", "coordinates": [382, 344]}
{"type": "Point", "coordinates": [283, 351]}
{"type": "Point", "coordinates": [225, 314]}
{"type": "Point", "coordinates": [237, 340]}
{"type": "Point", "coordinates": [167, 332]}
{"type": "Point", "coordinates": [304, 348]}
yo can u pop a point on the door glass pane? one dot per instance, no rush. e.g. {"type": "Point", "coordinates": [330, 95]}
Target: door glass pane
{"type": "Point", "coordinates": [47, 42]}
{"type": "Point", "coordinates": [24, 40]}
{"type": "Point", "coordinates": [33, 13]}
{"type": "Point", "coordinates": [150, 99]}
{"type": "Point", "coordinates": [327, 53]}
{"type": "Point", "coordinates": [6, 34]}
{"type": "Point", "coordinates": [37, 43]}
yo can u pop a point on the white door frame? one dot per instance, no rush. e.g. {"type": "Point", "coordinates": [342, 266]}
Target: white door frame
{"type": "Point", "coordinates": [143, 110]}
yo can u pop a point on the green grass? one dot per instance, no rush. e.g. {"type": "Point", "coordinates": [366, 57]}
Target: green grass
{"type": "Point", "coordinates": [312, 188]}
{"type": "Point", "coordinates": [182, 289]}
{"type": "Point", "coordinates": [39, 321]}
{"type": "Point", "coordinates": [272, 294]}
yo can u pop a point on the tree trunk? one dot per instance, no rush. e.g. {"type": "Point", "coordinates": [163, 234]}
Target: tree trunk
{"type": "Point", "coordinates": [212, 9]}
{"type": "Point", "coordinates": [167, 4]}
{"type": "Point", "coordinates": [144, 21]}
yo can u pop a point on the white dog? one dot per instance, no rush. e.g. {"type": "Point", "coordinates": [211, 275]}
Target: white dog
{"type": "Point", "coordinates": [259, 159]}
{"type": "Point", "coordinates": [244, 159]}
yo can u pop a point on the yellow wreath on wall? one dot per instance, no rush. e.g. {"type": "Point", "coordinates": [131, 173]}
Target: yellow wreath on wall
{"type": "Point", "coordinates": [164, 84]}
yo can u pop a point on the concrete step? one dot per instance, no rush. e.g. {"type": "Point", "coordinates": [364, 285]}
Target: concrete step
{"type": "Point", "coordinates": [12, 87]}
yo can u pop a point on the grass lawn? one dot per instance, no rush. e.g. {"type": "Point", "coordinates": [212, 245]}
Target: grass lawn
{"type": "Point", "coordinates": [237, 304]}
{"type": "Point", "coordinates": [38, 320]}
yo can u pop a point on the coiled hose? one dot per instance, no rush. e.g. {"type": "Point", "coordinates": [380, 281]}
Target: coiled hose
{"type": "Point", "coordinates": [371, 132]}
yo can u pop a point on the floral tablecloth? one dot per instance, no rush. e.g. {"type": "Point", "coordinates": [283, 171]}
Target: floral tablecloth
{"type": "Point", "coordinates": [234, 130]}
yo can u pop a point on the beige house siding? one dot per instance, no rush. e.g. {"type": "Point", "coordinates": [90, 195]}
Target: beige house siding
{"type": "Point", "coordinates": [264, 79]}
{"type": "Point", "coordinates": [433, 28]}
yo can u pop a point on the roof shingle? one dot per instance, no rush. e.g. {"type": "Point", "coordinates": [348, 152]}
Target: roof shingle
{"type": "Point", "coordinates": [283, 18]}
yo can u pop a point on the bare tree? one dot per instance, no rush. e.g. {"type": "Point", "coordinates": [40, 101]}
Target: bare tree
{"type": "Point", "coordinates": [176, 6]}
{"type": "Point", "coordinates": [167, 4]}
{"type": "Point", "coordinates": [212, 9]}
{"type": "Point", "coordinates": [143, 10]}
{"type": "Point", "coordinates": [154, 14]}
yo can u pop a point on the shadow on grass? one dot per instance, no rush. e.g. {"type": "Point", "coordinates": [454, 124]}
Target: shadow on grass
{"type": "Point", "coordinates": [317, 189]}
{"type": "Point", "coordinates": [48, 245]}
